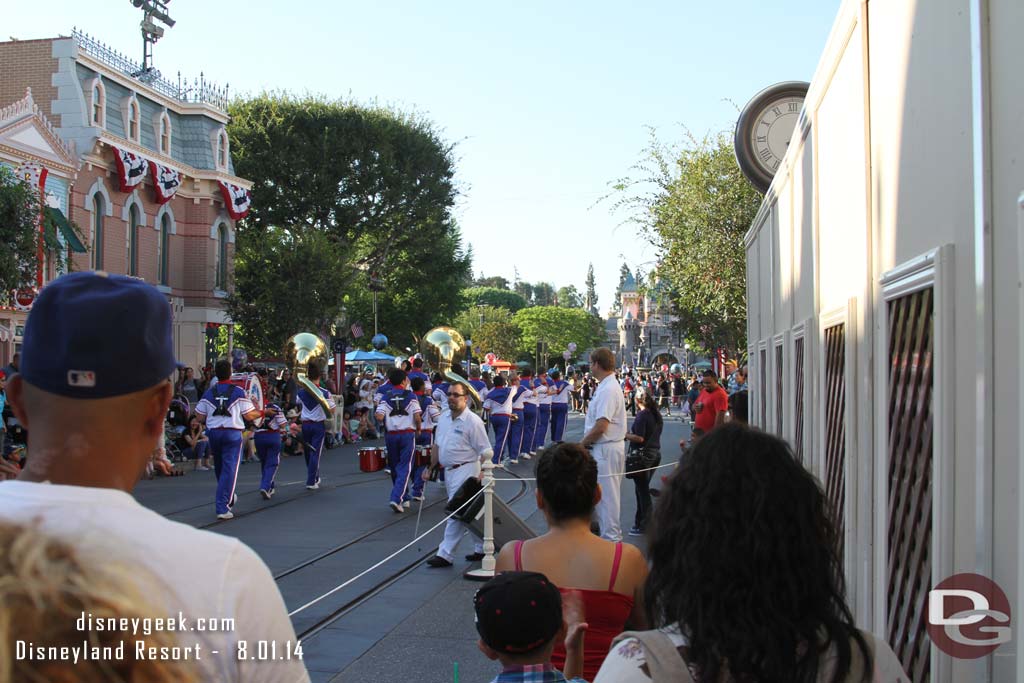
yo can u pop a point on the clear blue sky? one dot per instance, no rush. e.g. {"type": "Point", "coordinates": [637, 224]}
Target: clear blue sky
{"type": "Point", "coordinates": [548, 102]}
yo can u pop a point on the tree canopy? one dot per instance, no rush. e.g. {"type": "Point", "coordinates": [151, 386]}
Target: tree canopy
{"type": "Point", "coordinates": [492, 329]}
{"type": "Point", "coordinates": [558, 327]}
{"type": "Point", "coordinates": [590, 298]}
{"type": "Point", "coordinates": [569, 297]}
{"type": "Point", "coordinates": [376, 186]}
{"type": "Point", "coordinates": [19, 231]}
{"type": "Point", "coordinates": [492, 296]}
{"type": "Point", "coordinates": [700, 208]}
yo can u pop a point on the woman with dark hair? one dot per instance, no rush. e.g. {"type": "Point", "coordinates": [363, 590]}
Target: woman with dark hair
{"type": "Point", "coordinates": [607, 575]}
{"type": "Point", "coordinates": [745, 582]}
{"type": "Point", "coordinates": [645, 449]}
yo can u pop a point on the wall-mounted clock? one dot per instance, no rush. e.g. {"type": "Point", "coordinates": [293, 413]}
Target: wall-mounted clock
{"type": "Point", "coordinates": [764, 129]}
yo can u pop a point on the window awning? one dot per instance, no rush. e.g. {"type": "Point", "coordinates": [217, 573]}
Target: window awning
{"type": "Point", "coordinates": [56, 220]}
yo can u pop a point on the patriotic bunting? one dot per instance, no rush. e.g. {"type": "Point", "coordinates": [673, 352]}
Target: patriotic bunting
{"type": "Point", "coordinates": [236, 199]}
{"type": "Point", "coordinates": [131, 168]}
{"type": "Point", "coordinates": [165, 182]}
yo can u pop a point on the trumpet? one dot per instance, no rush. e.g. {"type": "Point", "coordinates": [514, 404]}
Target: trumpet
{"type": "Point", "coordinates": [302, 349]}
{"type": "Point", "coordinates": [440, 347]}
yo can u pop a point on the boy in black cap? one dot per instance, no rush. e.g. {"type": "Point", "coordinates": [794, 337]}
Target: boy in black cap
{"type": "Point", "coordinates": [519, 619]}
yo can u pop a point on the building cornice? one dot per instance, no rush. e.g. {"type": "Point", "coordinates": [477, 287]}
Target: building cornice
{"type": "Point", "coordinates": [114, 141]}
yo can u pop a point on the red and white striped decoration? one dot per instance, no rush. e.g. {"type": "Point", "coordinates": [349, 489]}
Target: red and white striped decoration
{"type": "Point", "coordinates": [166, 181]}
{"type": "Point", "coordinates": [236, 199]}
{"type": "Point", "coordinates": [131, 168]}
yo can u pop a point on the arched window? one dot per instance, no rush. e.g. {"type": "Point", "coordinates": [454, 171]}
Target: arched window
{"type": "Point", "coordinates": [133, 240]}
{"type": "Point", "coordinates": [97, 231]}
{"type": "Point", "coordinates": [222, 150]}
{"type": "Point", "coordinates": [163, 249]}
{"type": "Point", "coordinates": [133, 121]}
{"type": "Point", "coordinates": [99, 104]}
{"type": "Point", "coordinates": [222, 257]}
{"type": "Point", "coordinates": [165, 134]}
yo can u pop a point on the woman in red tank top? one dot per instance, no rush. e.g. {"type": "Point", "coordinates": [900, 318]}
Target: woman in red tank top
{"type": "Point", "coordinates": [606, 575]}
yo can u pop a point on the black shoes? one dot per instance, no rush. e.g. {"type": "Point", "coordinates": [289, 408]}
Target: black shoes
{"type": "Point", "coordinates": [475, 557]}
{"type": "Point", "coordinates": [437, 561]}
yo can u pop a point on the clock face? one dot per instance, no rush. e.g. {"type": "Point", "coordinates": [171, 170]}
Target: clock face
{"type": "Point", "coordinates": [773, 127]}
{"type": "Point", "coordinates": [764, 129]}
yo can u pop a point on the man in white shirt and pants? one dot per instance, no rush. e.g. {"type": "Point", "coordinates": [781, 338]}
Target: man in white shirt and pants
{"type": "Point", "coordinates": [461, 446]}
{"type": "Point", "coordinates": [604, 434]}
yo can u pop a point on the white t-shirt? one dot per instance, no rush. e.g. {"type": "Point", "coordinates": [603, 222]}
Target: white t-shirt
{"type": "Point", "coordinates": [626, 663]}
{"type": "Point", "coordinates": [462, 439]}
{"type": "Point", "coordinates": [607, 402]}
{"type": "Point", "coordinates": [201, 574]}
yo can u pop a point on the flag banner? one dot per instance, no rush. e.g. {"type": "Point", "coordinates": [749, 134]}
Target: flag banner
{"type": "Point", "coordinates": [236, 199]}
{"type": "Point", "coordinates": [131, 168]}
{"type": "Point", "coordinates": [166, 181]}
{"type": "Point", "coordinates": [357, 330]}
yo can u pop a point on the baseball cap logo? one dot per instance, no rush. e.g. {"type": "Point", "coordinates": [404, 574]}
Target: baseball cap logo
{"type": "Point", "coordinates": [81, 378]}
{"type": "Point", "coordinates": [968, 616]}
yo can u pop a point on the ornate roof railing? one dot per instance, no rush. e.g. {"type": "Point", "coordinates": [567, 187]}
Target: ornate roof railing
{"type": "Point", "coordinates": [199, 91]}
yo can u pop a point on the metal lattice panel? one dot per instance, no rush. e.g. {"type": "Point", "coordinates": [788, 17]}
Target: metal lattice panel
{"type": "Point", "coordinates": [835, 427]}
{"type": "Point", "coordinates": [763, 370]}
{"type": "Point", "coordinates": [798, 395]}
{"type": "Point", "coordinates": [779, 375]}
{"type": "Point", "coordinates": [911, 378]}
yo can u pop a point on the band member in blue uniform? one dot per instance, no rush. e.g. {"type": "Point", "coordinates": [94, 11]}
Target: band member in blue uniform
{"type": "Point", "coordinates": [400, 411]}
{"type": "Point", "coordinates": [559, 393]}
{"type": "Point", "coordinates": [417, 371]}
{"type": "Point", "coordinates": [268, 446]}
{"type": "Point", "coordinates": [428, 420]}
{"type": "Point", "coordinates": [313, 431]}
{"type": "Point", "coordinates": [477, 383]}
{"type": "Point", "coordinates": [529, 415]}
{"type": "Point", "coordinates": [540, 387]}
{"type": "Point", "coordinates": [498, 405]}
{"type": "Point", "coordinates": [439, 391]}
{"type": "Point", "coordinates": [224, 408]}
{"type": "Point", "coordinates": [515, 432]}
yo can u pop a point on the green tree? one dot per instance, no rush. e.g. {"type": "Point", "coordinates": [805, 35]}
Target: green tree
{"type": "Point", "coordinates": [624, 273]}
{"type": "Point", "coordinates": [558, 327]}
{"type": "Point", "coordinates": [543, 294]}
{"type": "Point", "coordinates": [525, 290]}
{"type": "Point", "coordinates": [492, 329]}
{"type": "Point", "coordinates": [376, 185]}
{"type": "Point", "coordinates": [285, 282]}
{"type": "Point", "coordinates": [590, 299]}
{"type": "Point", "coordinates": [697, 215]}
{"type": "Point", "coordinates": [492, 296]}
{"type": "Point", "coordinates": [496, 281]}
{"type": "Point", "coordinates": [569, 297]}
{"type": "Point", "coordinates": [19, 231]}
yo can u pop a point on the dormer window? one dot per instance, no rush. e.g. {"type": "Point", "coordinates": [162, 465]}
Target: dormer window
{"type": "Point", "coordinates": [133, 121]}
{"type": "Point", "coordinates": [222, 150]}
{"type": "Point", "coordinates": [164, 139]}
{"type": "Point", "coordinates": [98, 103]}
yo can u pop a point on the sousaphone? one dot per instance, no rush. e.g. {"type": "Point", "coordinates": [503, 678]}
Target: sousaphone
{"type": "Point", "coordinates": [301, 350]}
{"type": "Point", "coordinates": [441, 348]}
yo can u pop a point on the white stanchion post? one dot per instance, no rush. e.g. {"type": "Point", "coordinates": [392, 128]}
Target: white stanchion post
{"type": "Point", "coordinates": [486, 570]}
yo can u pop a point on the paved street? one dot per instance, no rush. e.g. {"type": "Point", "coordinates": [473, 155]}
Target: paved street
{"type": "Point", "coordinates": [401, 621]}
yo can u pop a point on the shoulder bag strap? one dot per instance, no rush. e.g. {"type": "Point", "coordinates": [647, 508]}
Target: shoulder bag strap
{"type": "Point", "coordinates": [663, 659]}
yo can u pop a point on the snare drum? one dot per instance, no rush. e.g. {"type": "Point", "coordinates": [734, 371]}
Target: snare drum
{"type": "Point", "coordinates": [422, 456]}
{"type": "Point", "coordinates": [371, 459]}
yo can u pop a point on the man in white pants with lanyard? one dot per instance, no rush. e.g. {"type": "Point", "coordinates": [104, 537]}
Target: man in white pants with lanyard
{"type": "Point", "coordinates": [460, 446]}
{"type": "Point", "coordinates": [604, 434]}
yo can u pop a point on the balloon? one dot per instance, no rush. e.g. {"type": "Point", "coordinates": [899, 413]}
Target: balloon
{"type": "Point", "coordinates": [490, 358]}
{"type": "Point", "coordinates": [677, 369]}
{"type": "Point", "coordinates": [572, 347]}
{"type": "Point", "coordinates": [379, 341]}
{"type": "Point", "coordinates": [664, 368]}
{"type": "Point", "coordinates": [566, 355]}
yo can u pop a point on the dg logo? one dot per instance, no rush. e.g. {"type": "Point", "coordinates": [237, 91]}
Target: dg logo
{"type": "Point", "coordinates": [968, 616]}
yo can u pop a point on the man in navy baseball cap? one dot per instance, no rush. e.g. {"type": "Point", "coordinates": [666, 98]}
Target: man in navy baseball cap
{"type": "Point", "coordinates": [95, 364]}
{"type": "Point", "coordinates": [93, 392]}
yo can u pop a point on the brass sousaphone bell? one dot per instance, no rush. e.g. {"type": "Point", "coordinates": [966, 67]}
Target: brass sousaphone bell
{"type": "Point", "coordinates": [441, 348]}
{"type": "Point", "coordinates": [301, 350]}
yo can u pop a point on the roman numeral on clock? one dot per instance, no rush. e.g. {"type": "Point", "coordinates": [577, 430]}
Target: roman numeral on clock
{"type": "Point", "coordinates": [765, 154]}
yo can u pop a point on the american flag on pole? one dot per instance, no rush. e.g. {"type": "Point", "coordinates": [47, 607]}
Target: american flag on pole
{"type": "Point", "coordinates": [357, 330]}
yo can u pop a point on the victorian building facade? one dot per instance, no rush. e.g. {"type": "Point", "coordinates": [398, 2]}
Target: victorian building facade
{"type": "Point", "coordinates": [156, 196]}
